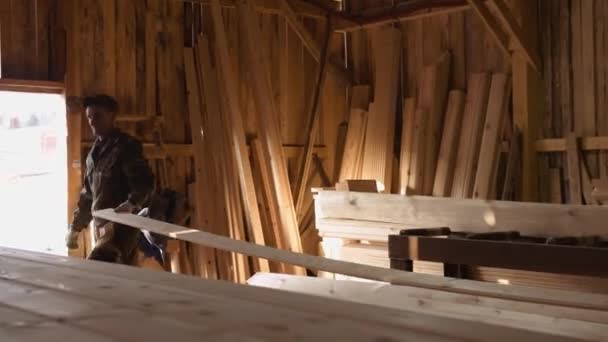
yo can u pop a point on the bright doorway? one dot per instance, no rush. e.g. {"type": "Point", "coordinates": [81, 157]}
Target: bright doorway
{"type": "Point", "coordinates": [33, 172]}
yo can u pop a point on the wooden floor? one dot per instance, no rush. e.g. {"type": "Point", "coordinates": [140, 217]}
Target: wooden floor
{"type": "Point", "coordinates": [49, 298]}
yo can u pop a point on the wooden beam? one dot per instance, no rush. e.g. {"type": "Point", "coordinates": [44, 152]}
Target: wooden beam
{"type": "Point", "coordinates": [521, 40]}
{"type": "Point", "coordinates": [310, 43]}
{"type": "Point", "coordinates": [410, 10]}
{"type": "Point", "coordinates": [236, 129]}
{"type": "Point", "coordinates": [512, 255]}
{"type": "Point", "coordinates": [32, 86]}
{"type": "Point", "coordinates": [559, 145]}
{"type": "Point", "coordinates": [493, 26]}
{"type": "Point", "coordinates": [517, 293]}
{"type": "Point", "coordinates": [312, 126]}
{"type": "Point", "coordinates": [475, 216]}
{"type": "Point", "coordinates": [270, 133]}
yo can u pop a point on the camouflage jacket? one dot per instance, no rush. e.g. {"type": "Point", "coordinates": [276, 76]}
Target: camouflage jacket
{"type": "Point", "coordinates": [116, 171]}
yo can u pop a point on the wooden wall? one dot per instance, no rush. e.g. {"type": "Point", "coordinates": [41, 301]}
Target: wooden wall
{"type": "Point", "coordinates": [574, 50]}
{"type": "Point", "coordinates": [134, 51]}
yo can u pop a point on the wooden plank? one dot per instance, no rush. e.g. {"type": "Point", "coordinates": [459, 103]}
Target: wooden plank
{"type": "Point", "coordinates": [378, 154]}
{"type": "Point", "coordinates": [470, 138]}
{"type": "Point", "coordinates": [555, 179]}
{"type": "Point", "coordinates": [574, 173]}
{"type": "Point", "coordinates": [312, 125]}
{"type": "Point", "coordinates": [433, 98]}
{"type": "Point", "coordinates": [181, 317]}
{"type": "Point", "coordinates": [489, 154]}
{"type": "Point", "coordinates": [590, 301]}
{"type": "Point", "coordinates": [559, 145]}
{"type": "Point", "coordinates": [449, 144]}
{"type": "Point", "coordinates": [476, 216]}
{"type": "Point", "coordinates": [196, 125]}
{"type": "Point", "coordinates": [236, 130]}
{"type": "Point", "coordinates": [261, 163]}
{"type": "Point", "coordinates": [270, 132]}
{"type": "Point", "coordinates": [402, 297]}
{"type": "Point", "coordinates": [416, 172]}
{"type": "Point", "coordinates": [355, 135]}
{"type": "Point", "coordinates": [408, 134]}
{"type": "Point", "coordinates": [126, 91]}
{"type": "Point", "coordinates": [589, 76]}
{"type": "Point", "coordinates": [512, 168]}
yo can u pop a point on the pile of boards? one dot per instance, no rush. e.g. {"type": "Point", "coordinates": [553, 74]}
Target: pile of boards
{"type": "Point", "coordinates": [355, 227]}
{"type": "Point", "coordinates": [449, 143]}
{"type": "Point", "coordinates": [236, 174]}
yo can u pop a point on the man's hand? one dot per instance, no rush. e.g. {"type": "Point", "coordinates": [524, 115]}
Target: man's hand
{"type": "Point", "coordinates": [71, 239]}
{"type": "Point", "coordinates": [126, 207]}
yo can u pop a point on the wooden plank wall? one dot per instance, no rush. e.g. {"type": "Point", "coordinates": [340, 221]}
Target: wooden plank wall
{"type": "Point", "coordinates": [574, 45]}
{"type": "Point", "coordinates": [134, 51]}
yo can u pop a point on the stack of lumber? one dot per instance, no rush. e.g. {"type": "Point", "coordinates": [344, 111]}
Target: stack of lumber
{"type": "Point", "coordinates": [50, 298]}
{"type": "Point", "coordinates": [353, 219]}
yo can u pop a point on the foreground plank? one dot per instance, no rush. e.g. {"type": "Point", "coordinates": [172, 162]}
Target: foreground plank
{"type": "Point", "coordinates": [195, 309]}
{"type": "Point", "coordinates": [412, 299]}
{"type": "Point", "coordinates": [518, 293]}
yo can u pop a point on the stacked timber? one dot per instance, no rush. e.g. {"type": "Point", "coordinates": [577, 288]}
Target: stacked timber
{"type": "Point", "coordinates": [355, 226]}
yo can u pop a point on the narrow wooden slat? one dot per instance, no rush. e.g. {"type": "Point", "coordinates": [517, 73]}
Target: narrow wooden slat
{"type": "Point", "coordinates": [126, 79]}
{"type": "Point", "coordinates": [589, 127]}
{"type": "Point", "coordinates": [194, 109]}
{"type": "Point", "coordinates": [237, 131]}
{"type": "Point", "coordinates": [574, 173]}
{"type": "Point", "coordinates": [416, 172]}
{"type": "Point", "coordinates": [489, 154]}
{"type": "Point", "coordinates": [432, 97]}
{"type": "Point", "coordinates": [524, 294]}
{"type": "Point", "coordinates": [449, 144]}
{"type": "Point", "coordinates": [555, 179]}
{"type": "Point", "coordinates": [355, 137]}
{"type": "Point", "coordinates": [378, 154]}
{"type": "Point", "coordinates": [513, 162]}
{"type": "Point", "coordinates": [408, 136]}
{"type": "Point", "coordinates": [270, 132]}
{"type": "Point", "coordinates": [312, 126]}
{"type": "Point", "coordinates": [470, 138]}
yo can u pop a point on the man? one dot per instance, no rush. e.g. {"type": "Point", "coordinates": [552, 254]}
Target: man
{"type": "Point", "coordinates": [117, 176]}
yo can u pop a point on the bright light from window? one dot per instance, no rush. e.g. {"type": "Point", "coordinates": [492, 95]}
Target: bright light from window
{"type": "Point", "coordinates": [33, 172]}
